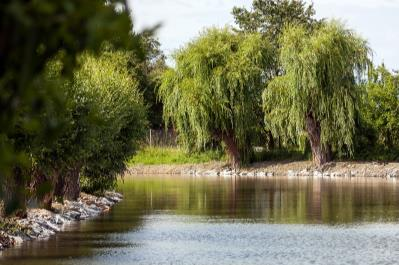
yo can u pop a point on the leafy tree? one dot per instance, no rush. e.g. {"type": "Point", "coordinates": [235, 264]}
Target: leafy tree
{"type": "Point", "coordinates": [379, 115]}
{"type": "Point", "coordinates": [269, 17]}
{"type": "Point", "coordinates": [383, 106]}
{"type": "Point", "coordinates": [148, 71]}
{"type": "Point", "coordinates": [32, 33]}
{"type": "Point", "coordinates": [122, 113]}
{"type": "Point", "coordinates": [104, 120]}
{"type": "Point", "coordinates": [213, 93]}
{"type": "Point", "coordinates": [319, 93]}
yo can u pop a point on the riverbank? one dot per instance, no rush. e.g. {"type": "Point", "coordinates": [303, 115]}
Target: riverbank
{"type": "Point", "coordinates": [270, 168]}
{"type": "Point", "coordinates": [41, 223]}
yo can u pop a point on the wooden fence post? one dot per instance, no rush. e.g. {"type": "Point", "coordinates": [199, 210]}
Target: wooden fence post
{"type": "Point", "coordinates": [150, 138]}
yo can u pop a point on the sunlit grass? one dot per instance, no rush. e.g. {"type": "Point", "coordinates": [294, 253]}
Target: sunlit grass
{"type": "Point", "coordinates": [173, 156]}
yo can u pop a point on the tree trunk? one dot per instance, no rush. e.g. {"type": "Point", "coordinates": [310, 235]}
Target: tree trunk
{"type": "Point", "coordinates": [320, 154]}
{"type": "Point", "coordinates": [232, 149]}
{"type": "Point", "coordinates": [59, 189]}
{"type": "Point", "coordinates": [47, 201]}
{"type": "Point", "coordinates": [270, 143]}
{"type": "Point", "coordinates": [72, 184]}
{"type": "Point", "coordinates": [43, 185]}
{"type": "Point", "coordinates": [15, 194]}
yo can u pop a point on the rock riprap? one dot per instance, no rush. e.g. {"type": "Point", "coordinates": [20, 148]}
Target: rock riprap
{"type": "Point", "coordinates": [41, 223]}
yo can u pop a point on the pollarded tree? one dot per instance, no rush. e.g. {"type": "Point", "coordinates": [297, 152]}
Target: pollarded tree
{"type": "Point", "coordinates": [31, 34]}
{"type": "Point", "coordinates": [104, 120]}
{"type": "Point", "coordinates": [320, 90]}
{"type": "Point", "coordinates": [214, 92]}
{"type": "Point", "coordinates": [122, 113]}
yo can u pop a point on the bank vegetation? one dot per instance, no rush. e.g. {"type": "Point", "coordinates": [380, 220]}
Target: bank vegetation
{"type": "Point", "coordinates": [80, 88]}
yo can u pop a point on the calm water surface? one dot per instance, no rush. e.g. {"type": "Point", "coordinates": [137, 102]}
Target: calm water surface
{"type": "Point", "coordinates": [183, 220]}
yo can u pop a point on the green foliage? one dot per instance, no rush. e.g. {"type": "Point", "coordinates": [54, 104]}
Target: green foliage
{"type": "Point", "coordinates": [382, 106]}
{"type": "Point", "coordinates": [105, 120]}
{"type": "Point", "coordinates": [149, 72]}
{"type": "Point", "coordinates": [269, 17]}
{"type": "Point", "coordinates": [10, 226]}
{"type": "Point", "coordinates": [121, 112]}
{"type": "Point", "coordinates": [214, 91]}
{"type": "Point", "coordinates": [32, 33]}
{"type": "Point", "coordinates": [280, 155]}
{"type": "Point", "coordinates": [173, 155]}
{"type": "Point", "coordinates": [323, 69]}
{"type": "Point", "coordinates": [378, 129]}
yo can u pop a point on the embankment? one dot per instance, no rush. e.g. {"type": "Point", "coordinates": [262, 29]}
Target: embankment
{"type": "Point", "coordinates": [41, 224]}
{"type": "Point", "coordinates": [268, 169]}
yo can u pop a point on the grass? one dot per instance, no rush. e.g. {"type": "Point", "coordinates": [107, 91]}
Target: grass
{"type": "Point", "coordinates": [280, 155]}
{"type": "Point", "coordinates": [10, 226]}
{"type": "Point", "coordinates": [173, 156]}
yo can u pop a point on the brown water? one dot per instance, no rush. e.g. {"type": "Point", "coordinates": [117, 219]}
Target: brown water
{"type": "Point", "coordinates": [183, 220]}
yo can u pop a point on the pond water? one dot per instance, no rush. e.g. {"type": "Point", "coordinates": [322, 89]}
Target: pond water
{"type": "Point", "coordinates": [189, 220]}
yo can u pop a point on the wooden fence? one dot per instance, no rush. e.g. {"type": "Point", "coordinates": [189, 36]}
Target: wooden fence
{"type": "Point", "coordinates": [161, 138]}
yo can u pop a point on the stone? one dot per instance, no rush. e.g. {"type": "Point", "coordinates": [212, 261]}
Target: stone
{"type": "Point", "coordinates": [251, 174]}
{"type": "Point", "coordinates": [227, 173]}
{"type": "Point", "coordinates": [59, 220]}
{"type": "Point", "coordinates": [304, 173]}
{"type": "Point", "coordinates": [74, 215]}
{"type": "Point", "coordinates": [104, 201]}
{"type": "Point", "coordinates": [336, 174]}
{"type": "Point", "coordinates": [17, 240]}
{"type": "Point", "coordinates": [113, 199]}
{"type": "Point", "coordinates": [5, 240]}
{"type": "Point", "coordinates": [211, 173]}
{"type": "Point", "coordinates": [261, 174]}
{"type": "Point", "coordinates": [41, 224]}
{"type": "Point", "coordinates": [317, 174]}
{"type": "Point", "coordinates": [49, 226]}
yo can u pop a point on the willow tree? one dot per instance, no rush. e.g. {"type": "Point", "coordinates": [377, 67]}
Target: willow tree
{"type": "Point", "coordinates": [214, 92]}
{"type": "Point", "coordinates": [320, 90]}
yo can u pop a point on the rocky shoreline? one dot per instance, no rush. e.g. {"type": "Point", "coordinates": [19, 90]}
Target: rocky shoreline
{"type": "Point", "coordinates": [41, 224]}
{"type": "Point", "coordinates": [270, 169]}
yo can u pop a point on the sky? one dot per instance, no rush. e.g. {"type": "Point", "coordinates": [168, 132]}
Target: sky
{"type": "Point", "coordinates": [182, 20]}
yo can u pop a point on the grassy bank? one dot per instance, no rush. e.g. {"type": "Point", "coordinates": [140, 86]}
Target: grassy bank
{"type": "Point", "coordinates": [173, 156]}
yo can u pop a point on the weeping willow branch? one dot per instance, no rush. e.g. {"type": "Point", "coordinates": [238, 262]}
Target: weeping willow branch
{"type": "Point", "coordinates": [323, 70]}
{"type": "Point", "coordinates": [213, 93]}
